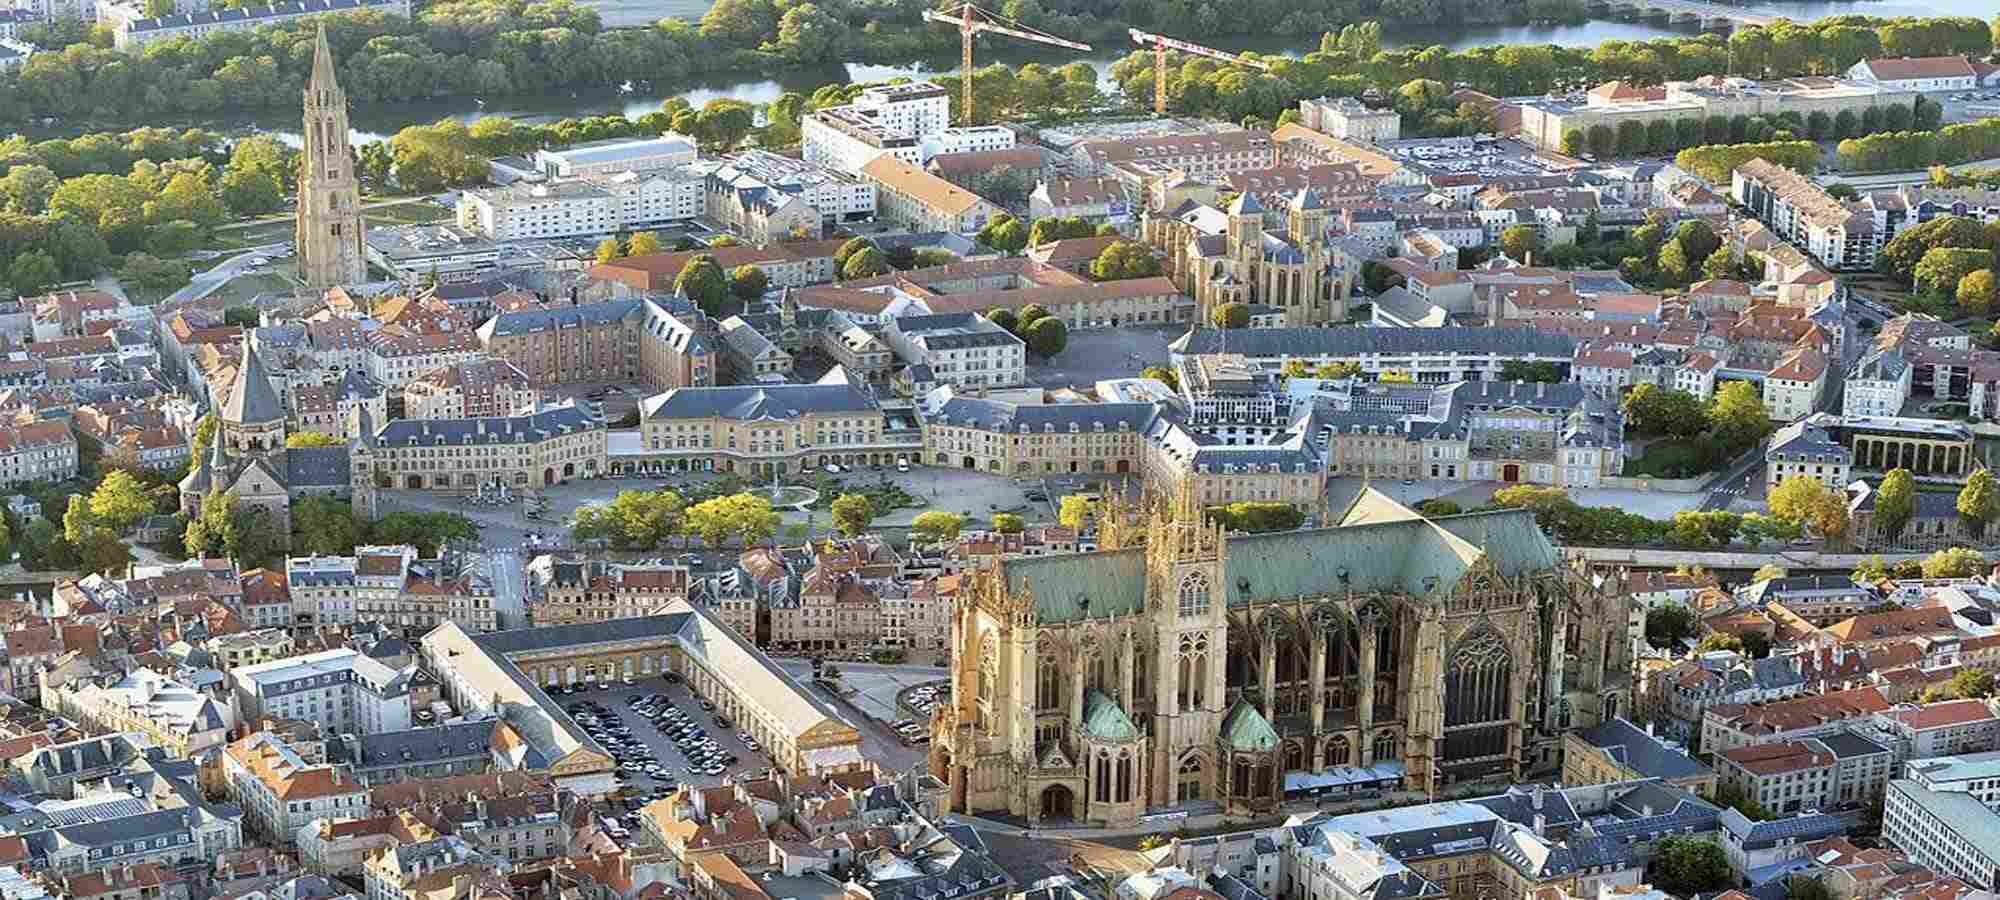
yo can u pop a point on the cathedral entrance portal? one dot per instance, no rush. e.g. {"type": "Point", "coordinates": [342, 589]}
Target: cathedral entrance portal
{"type": "Point", "coordinates": [1510, 473]}
{"type": "Point", "coordinates": [1056, 802]}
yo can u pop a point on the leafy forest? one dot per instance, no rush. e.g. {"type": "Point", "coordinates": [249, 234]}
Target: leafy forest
{"type": "Point", "coordinates": [490, 48]}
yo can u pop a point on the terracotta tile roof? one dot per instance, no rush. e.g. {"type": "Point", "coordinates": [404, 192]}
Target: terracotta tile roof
{"type": "Point", "coordinates": [1894, 623]}
{"type": "Point", "coordinates": [1802, 712]}
{"type": "Point", "coordinates": [939, 195]}
{"type": "Point", "coordinates": [1919, 67]}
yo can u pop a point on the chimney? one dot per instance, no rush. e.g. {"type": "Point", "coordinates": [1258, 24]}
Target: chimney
{"type": "Point", "coordinates": [1541, 821]}
{"type": "Point", "coordinates": [1649, 728]}
{"type": "Point", "coordinates": [1537, 795]}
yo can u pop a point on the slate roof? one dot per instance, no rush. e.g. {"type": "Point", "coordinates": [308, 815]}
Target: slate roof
{"type": "Point", "coordinates": [1738, 829]}
{"type": "Point", "coordinates": [530, 321]}
{"type": "Point", "coordinates": [416, 746]}
{"type": "Point", "coordinates": [499, 430]}
{"type": "Point", "coordinates": [317, 467]}
{"type": "Point", "coordinates": [751, 402]}
{"type": "Point", "coordinates": [251, 399]}
{"type": "Point", "coordinates": [255, 13]}
{"type": "Point", "coordinates": [1643, 753]}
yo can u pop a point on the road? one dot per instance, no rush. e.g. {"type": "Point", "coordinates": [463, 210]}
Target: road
{"type": "Point", "coordinates": [504, 567]}
{"type": "Point", "coordinates": [1735, 483]}
{"type": "Point", "coordinates": [206, 283]}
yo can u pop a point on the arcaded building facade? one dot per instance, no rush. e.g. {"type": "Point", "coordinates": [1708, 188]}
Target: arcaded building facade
{"type": "Point", "coordinates": [1199, 666]}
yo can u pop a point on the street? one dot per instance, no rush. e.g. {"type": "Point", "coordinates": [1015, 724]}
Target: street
{"type": "Point", "coordinates": [208, 282]}
{"type": "Point", "coordinates": [504, 568]}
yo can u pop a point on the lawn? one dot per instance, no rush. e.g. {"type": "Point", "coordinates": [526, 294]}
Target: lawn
{"type": "Point", "coordinates": [243, 287]}
{"type": "Point", "coordinates": [1667, 458]}
{"type": "Point", "coordinates": [412, 213]}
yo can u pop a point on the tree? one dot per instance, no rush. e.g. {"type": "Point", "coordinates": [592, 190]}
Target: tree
{"type": "Point", "coordinates": [1895, 502]}
{"type": "Point", "coordinates": [642, 243]}
{"type": "Point", "coordinates": [1900, 256]}
{"type": "Point", "coordinates": [1162, 374]}
{"type": "Point", "coordinates": [1732, 796]}
{"type": "Point", "coordinates": [1768, 571]}
{"type": "Point", "coordinates": [748, 282]}
{"type": "Point", "coordinates": [1232, 315]}
{"type": "Point", "coordinates": [608, 250]}
{"type": "Point", "coordinates": [1124, 259]}
{"type": "Point", "coordinates": [426, 531]}
{"type": "Point", "coordinates": [852, 513]}
{"type": "Point", "coordinates": [866, 264]}
{"type": "Point", "coordinates": [312, 439]}
{"type": "Point", "coordinates": [1954, 562]}
{"type": "Point", "coordinates": [808, 35]}
{"type": "Point", "coordinates": [1005, 318]}
{"type": "Point", "coordinates": [1651, 409]}
{"type": "Point", "coordinates": [1941, 270]}
{"type": "Point", "coordinates": [938, 525]}
{"type": "Point", "coordinates": [1519, 241]}
{"type": "Point", "coordinates": [1685, 865]}
{"type": "Point", "coordinates": [1808, 501]}
{"type": "Point", "coordinates": [1978, 501]}
{"type": "Point", "coordinates": [1058, 228]}
{"type": "Point", "coordinates": [1522, 370]}
{"type": "Point", "coordinates": [1437, 507]}
{"type": "Point", "coordinates": [1047, 336]}
{"type": "Point", "coordinates": [1668, 624]}
{"type": "Point", "coordinates": [847, 250]}
{"type": "Point", "coordinates": [1395, 376]}
{"type": "Point", "coordinates": [118, 501]}
{"type": "Point", "coordinates": [1971, 683]}
{"type": "Point", "coordinates": [1737, 416]}
{"type": "Point", "coordinates": [1004, 233]}
{"type": "Point", "coordinates": [1978, 291]}
{"type": "Point", "coordinates": [32, 273]}
{"type": "Point", "coordinates": [1029, 315]}
{"type": "Point", "coordinates": [1009, 523]}
{"type": "Point", "coordinates": [746, 517]}
{"type": "Point", "coordinates": [1719, 640]}
{"type": "Point", "coordinates": [1335, 371]}
{"type": "Point", "coordinates": [323, 525]}
{"type": "Point", "coordinates": [703, 282]}
{"type": "Point", "coordinates": [1077, 511]}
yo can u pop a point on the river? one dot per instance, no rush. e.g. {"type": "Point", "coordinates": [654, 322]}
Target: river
{"type": "Point", "coordinates": [378, 121]}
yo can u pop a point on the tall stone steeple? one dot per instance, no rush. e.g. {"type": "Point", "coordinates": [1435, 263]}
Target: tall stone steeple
{"type": "Point", "coordinates": [329, 230]}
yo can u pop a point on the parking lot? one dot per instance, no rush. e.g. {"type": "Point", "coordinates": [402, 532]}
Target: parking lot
{"type": "Point", "coordinates": [641, 742]}
{"type": "Point", "coordinates": [1102, 353]}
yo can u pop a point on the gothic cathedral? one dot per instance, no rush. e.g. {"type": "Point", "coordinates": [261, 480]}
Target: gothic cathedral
{"type": "Point", "coordinates": [1235, 256]}
{"type": "Point", "coordinates": [329, 230]}
{"type": "Point", "coordinates": [1184, 667]}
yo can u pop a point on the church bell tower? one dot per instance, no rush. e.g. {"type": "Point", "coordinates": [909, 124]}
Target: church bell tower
{"type": "Point", "coordinates": [329, 227]}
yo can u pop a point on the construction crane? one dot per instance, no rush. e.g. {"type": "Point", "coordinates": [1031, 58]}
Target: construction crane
{"type": "Point", "coordinates": [970, 21]}
{"type": "Point", "coordinates": [1161, 44]}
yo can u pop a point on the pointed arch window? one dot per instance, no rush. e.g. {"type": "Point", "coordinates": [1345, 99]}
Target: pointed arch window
{"type": "Point", "coordinates": [1194, 593]}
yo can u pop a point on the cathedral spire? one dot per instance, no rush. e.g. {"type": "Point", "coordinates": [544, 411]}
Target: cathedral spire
{"type": "Point", "coordinates": [322, 73]}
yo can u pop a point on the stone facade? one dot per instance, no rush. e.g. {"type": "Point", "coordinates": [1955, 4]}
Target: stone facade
{"type": "Point", "coordinates": [1205, 666]}
{"type": "Point", "coordinates": [329, 227]}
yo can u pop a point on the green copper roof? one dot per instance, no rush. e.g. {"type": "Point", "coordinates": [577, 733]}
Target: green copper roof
{"type": "Point", "coordinates": [1075, 586]}
{"type": "Point", "coordinates": [1246, 729]}
{"type": "Point", "coordinates": [1379, 545]}
{"type": "Point", "coordinates": [1103, 720]}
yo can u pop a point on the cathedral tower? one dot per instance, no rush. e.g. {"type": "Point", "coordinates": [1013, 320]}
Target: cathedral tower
{"type": "Point", "coordinates": [329, 229]}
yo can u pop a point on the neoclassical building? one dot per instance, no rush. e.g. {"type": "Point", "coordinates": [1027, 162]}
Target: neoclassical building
{"type": "Point", "coordinates": [1221, 257]}
{"type": "Point", "coordinates": [1179, 664]}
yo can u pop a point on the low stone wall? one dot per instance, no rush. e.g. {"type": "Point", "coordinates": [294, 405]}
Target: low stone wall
{"type": "Point", "coordinates": [1693, 485]}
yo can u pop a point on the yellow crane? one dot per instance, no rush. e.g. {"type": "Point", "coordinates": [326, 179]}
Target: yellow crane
{"type": "Point", "coordinates": [970, 21]}
{"type": "Point", "coordinates": [1161, 44]}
